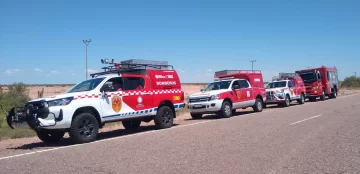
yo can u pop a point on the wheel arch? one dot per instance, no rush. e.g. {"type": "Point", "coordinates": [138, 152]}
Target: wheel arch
{"type": "Point", "coordinates": [167, 103]}
{"type": "Point", "coordinates": [91, 110]}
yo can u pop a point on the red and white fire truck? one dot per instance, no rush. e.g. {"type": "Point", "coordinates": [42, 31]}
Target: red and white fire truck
{"type": "Point", "coordinates": [320, 82]}
{"type": "Point", "coordinates": [284, 89]}
{"type": "Point", "coordinates": [231, 90]}
{"type": "Point", "coordinates": [129, 92]}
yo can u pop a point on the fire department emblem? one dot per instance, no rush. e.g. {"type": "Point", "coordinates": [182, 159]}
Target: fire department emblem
{"type": "Point", "coordinates": [238, 94]}
{"type": "Point", "coordinates": [116, 103]}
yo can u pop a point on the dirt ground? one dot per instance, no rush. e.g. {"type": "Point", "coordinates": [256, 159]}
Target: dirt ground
{"type": "Point", "coordinates": [27, 144]}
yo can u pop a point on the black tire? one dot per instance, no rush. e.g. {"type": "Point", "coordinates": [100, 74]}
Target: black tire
{"type": "Point", "coordinates": [334, 94]}
{"type": "Point", "coordinates": [196, 116]}
{"type": "Point", "coordinates": [287, 101]}
{"type": "Point", "coordinates": [50, 136]}
{"type": "Point", "coordinates": [164, 117]}
{"type": "Point", "coordinates": [226, 110]}
{"type": "Point", "coordinates": [131, 124]}
{"type": "Point", "coordinates": [302, 99]}
{"type": "Point", "coordinates": [84, 128]}
{"type": "Point", "coordinates": [259, 105]}
{"type": "Point", "coordinates": [322, 96]}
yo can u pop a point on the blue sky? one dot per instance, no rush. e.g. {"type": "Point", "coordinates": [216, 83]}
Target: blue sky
{"type": "Point", "coordinates": [41, 41]}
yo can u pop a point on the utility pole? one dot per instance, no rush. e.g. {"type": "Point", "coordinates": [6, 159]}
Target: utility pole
{"type": "Point", "coordinates": [252, 64]}
{"type": "Point", "coordinates": [86, 42]}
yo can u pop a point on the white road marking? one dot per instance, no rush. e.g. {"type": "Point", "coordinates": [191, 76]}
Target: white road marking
{"type": "Point", "coordinates": [115, 138]}
{"type": "Point", "coordinates": [131, 135]}
{"type": "Point", "coordinates": [304, 120]}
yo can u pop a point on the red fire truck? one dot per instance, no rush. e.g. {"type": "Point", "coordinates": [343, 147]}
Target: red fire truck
{"type": "Point", "coordinates": [320, 82]}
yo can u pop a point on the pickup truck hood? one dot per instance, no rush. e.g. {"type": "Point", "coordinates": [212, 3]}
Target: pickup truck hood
{"type": "Point", "coordinates": [207, 93]}
{"type": "Point", "coordinates": [64, 95]}
{"type": "Point", "coordinates": [274, 89]}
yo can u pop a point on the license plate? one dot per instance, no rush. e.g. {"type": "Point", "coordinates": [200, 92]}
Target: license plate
{"type": "Point", "coordinates": [197, 106]}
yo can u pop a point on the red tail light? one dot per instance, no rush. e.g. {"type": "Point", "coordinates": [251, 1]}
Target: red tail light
{"type": "Point", "coordinates": [182, 95]}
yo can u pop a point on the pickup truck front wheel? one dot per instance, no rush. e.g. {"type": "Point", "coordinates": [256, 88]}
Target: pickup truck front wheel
{"type": "Point", "coordinates": [84, 128]}
{"type": "Point", "coordinates": [50, 136]}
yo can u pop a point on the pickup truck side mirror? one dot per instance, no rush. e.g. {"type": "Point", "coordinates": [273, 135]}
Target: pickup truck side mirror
{"type": "Point", "coordinates": [103, 93]}
{"type": "Point", "coordinates": [235, 87]}
{"type": "Point", "coordinates": [201, 89]}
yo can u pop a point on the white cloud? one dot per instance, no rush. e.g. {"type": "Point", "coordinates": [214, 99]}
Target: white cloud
{"type": "Point", "coordinates": [54, 72]}
{"type": "Point", "coordinates": [11, 71]}
{"type": "Point", "coordinates": [38, 70]}
{"type": "Point", "coordinates": [181, 70]}
{"type": "Point", "coordinates": [209, 70]}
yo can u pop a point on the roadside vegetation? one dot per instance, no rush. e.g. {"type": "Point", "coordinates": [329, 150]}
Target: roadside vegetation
{"type": "Point", "coordinates": [15, 96]}
{"type": "Point", "coordinates": [351, 83]}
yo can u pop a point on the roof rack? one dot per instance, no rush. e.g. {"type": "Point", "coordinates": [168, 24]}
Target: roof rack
{"type": "Point", "coordinates": [234, 72]}
{"type": "Point", "coordinates": [285, 76]}
{"type": "Point", "coordinates": [132, 65]}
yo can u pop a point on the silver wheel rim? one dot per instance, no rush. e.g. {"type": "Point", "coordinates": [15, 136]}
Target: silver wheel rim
{"type": "Point", "coordinates": [302, 98]}
{"type": "Point", "coordinates": [227, 110]}
{"type": "Point", "coordinates": [259, 106]}
{"type": "Point", "coordinates": [287, 101]}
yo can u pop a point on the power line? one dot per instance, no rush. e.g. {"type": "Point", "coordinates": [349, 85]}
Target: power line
{"type": "Point", "coordinates": [86, 42]}
{"type": "Point", "coordinates": [252, 64]}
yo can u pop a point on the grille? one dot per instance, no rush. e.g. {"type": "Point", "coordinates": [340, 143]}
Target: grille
{"type": "Point", "coordinates": [201, 99]}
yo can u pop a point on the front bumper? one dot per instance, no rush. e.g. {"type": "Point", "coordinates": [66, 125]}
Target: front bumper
{"type": "Point", "coordinates": [34, 116]}
{"type": "Point", "coordinates": [272, 97]}
{"type": "Point", "coordinates": [211, 106]}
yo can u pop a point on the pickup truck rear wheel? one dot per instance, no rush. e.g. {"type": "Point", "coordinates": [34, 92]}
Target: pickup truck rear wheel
{"type": "Point", "coordinates": [302, 99]}
{"type": "Point", "coordinates": [164, 117]}
{"type": "Point", "coordinates": [50, 136]}
{"type": "Point", "coordinates": [84, 128]}
{"type": "Point", "coordinates": [258, 106]}
{"type": "Point", "coordinates": [131, 124]}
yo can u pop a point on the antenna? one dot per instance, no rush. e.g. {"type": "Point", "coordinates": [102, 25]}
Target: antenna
{"type": "Point", "coordinates": [86, 42]}
{"type": "Point", "coordinates": [252, 64]}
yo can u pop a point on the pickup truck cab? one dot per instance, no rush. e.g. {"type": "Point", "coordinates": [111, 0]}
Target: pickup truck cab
{"type": "Point", "coordinates": [285, 89]}
{"type": "Point", "coordinates": [231, 90]}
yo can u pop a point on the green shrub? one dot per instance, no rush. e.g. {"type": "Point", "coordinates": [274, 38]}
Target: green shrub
{"type": "Point", "coordinates": [351, 82]}
{"type": "Point", "coordinates": [16, 95]}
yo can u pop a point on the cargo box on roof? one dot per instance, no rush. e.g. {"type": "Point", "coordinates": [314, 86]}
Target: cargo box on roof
{"type": "Point", "coordinates": [254, 77]}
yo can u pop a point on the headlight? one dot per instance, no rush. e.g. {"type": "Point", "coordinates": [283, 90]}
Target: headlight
{"type": "Point", "coordinates": [60, 102]}
{"type": "Point", "coordinates": [214, 97]}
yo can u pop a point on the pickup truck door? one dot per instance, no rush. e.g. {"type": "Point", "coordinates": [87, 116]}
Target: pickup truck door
{"type": "Point", "coordinates": [247, 93]}
{"type": "Point", "coordinates": [112, 105]}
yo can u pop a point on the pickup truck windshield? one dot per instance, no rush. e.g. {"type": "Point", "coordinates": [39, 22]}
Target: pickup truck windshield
{"type": "Point", "coordinates": [276, 84]}
{"type": "Point", "coordinates": [308, 77]}
{"type": "Point", "coordinates": [217, 85]}
{"type": "Point", "coordinates": [87, 85]}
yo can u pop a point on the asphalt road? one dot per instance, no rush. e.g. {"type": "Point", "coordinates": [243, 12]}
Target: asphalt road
{"type": "Point", "coordinates": [317, 137]}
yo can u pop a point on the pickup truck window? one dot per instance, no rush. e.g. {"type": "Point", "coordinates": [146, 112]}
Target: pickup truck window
{"type": "Point", "coordinates": [86, 85]}
{"type": "Point", "coordinates": [113, 84]}
{"type": "Point", "coordinates": [276, 84]}
{"type": "Point", "coordinates": [243, 84]}
{"type": "Point", "coordinates": [217, 85]}
{"type": "Point", "coordinates": [133, 83]}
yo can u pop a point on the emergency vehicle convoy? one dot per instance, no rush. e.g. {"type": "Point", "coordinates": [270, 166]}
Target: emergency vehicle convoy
{"type": "Point", "coordinates": [130, 92]}
{"type": "Point", "coordinates": [231, 90]}
{"type": "Point", "coordinates": [320, 82]}
{"type": "Point", "coordinates": [285, 89]}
